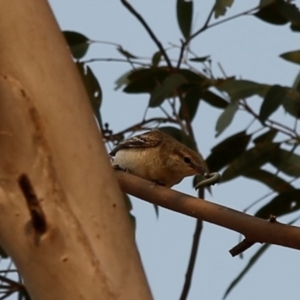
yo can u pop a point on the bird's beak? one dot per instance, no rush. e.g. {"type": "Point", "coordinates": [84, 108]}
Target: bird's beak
{"type": "Point", "coordinates": [200, 170]}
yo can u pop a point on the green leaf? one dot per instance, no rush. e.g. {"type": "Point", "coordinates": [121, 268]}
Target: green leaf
{"type": "Point", "coordinates": [192, 77]}
{"type": "Point", "coordinates": [156, 58]}
{"type": "Point", "coordinates": [287, 162]}
{"type": "Point", "coordinates": [191, 102]}
{"type": "Point", "coordinates": [196, 93]}
{"type": "Point", "coordinates": [144, 80]}
{"type": "Point", "coordinates": [213, 99]}
{"type": "Point", "coordinates": [239, 89]}
{"type": "Point", "coordinates": [270, 13]}
{"type": "Point", "coordinates": [251, 262]}
{"type": "Point", "coordinates": [266, 136]}
{"type": "Point", "coordinates": [296, 84]}
{"type": "Point", "coordinates": [24, 295]}
{"type": "Point", "coordinates": [129, 209]}
{"type": "Point", "coordinates": [166, 90]}
{"type": "Point", "coordinates": [291, 102]}
{"type": "Point", "coordinates": [123, 80]}
{"type": "Point", "coordinates": [272, 101]}
{"type": "Point", "coordinates": [249, 160]}
{"type": "Point", "coordinates": [293, 56]}
{"type": "Point", "coordinates": [93, 89]}
{"type": "Point", "coordinates": [280, 12]}
{"type": "Point", "coordinates": [226, 117]}
{"type": "Point", "coordinates": [125, 53]}
{"type": "Point", "coordinates": [200, 59]}
{"type": "Point", "coordinates": [290, 11]}
{"type": "Point", "coordinates": [274, 182]}
{"type": "Point", "coordinates": [284, 203]}
{"type": "Point", "coordinates": [263, 3]}
{"type": "Point", "coordinates": [127, 202]}
{"type": "Point", "coordinates": [179, 135]}
{"type": "Point", "coordinates": [3, 254]}
{"type": "Point", "coordinates": [295, 27]}
{"type": "Point", "coordinates": [221, 7]}
{"type": "Point", "coordinates": [77, 42]}
{"type": "Point", "coordinates": [227, 150]}
{"type": "Point", "coordinates": [184, 17]}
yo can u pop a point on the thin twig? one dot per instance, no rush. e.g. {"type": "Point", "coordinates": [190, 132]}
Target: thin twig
{"type": "Point", "coordinates": [138, 127]}
{"type": "Point", "coordinates": [164, 111]}
{"type": "Point", "coordinates": [192, 261]}
{"type": "Point", "coordinates": [193, 255]}
{"type": "Point", "coordinates": [115, 60]}
{"type": "Point", "coordinates": [185, 43]}
{"type": "Point", "coordinates": [270, 123]}
{"type": "Point", "coordinates": [186, 117]}
{"type": "Point", "coordinates": [182, 48]}
{"type": "Point", "coordinates": [150, 32]}
{"type": "Point", "coordinates": [105, 43]}
{"type": "Point", "coordinates": [206, 26]}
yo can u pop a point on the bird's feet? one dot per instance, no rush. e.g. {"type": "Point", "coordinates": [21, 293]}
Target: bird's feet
{"type": "Point", "coordinates": [157, 182]}
{"type": "Point", "coordinates": [118, 168]}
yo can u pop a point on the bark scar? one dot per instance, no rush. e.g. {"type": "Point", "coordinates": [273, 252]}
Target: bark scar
{"type": "Point", "coordinates": [38, 217]}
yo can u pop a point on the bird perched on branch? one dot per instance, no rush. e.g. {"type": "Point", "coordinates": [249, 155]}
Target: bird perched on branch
{"type": "Point", "coordinates": [157, 157]}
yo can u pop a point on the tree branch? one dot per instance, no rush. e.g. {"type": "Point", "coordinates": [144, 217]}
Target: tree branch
{"type": "Point", "coordinates": [150, 32]}
{"type": "Point", "coordinates": [253, 228]}
{"type": "Point", "coordinates": [111, 59]}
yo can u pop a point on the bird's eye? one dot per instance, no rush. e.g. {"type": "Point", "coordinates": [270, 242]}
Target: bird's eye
{"type": "Point", "coordinates": [187, 160]}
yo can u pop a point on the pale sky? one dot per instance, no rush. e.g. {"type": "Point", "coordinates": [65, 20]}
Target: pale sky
{"type": "Point", "coordinates": [247, 48]}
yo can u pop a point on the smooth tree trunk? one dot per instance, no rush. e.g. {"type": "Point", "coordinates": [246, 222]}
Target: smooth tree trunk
{"type": "Point", "coordinates": [62, 216]}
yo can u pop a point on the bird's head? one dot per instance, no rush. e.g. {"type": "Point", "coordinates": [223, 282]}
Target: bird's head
{"type": "Point", "coordinates": [189, 162]}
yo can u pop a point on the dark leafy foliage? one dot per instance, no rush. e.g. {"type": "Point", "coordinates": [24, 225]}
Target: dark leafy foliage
{"type": "Point", "coordinates": [239, 89]}
{"type": "Point", "coordinates": [272, 101]}
{"type": "Point", "coordinates": [93, 89]}
{"type": "Point", "coordinates": [226, 117]}
{"type": "Point", "coordinates": [250, 160]}
{"type": "Point", "coordinates": [284, 203]}
{"type": "Point", "coordinates": [273, 181]}
{"type": "Point", "coordinates": [221, 7]}
{"type": "Point", "coordinates": [77, 42]}
{"type": "Point", "coordinates": [179, 135]}
{"type": "Point", "coordinates": [184, 17]}
{"type": "Point", "coordinates": [279, 12]}
{"type": "Point", "coordinates": [226, 151]}
{"type": "Point", "coordinates": [293, 56]}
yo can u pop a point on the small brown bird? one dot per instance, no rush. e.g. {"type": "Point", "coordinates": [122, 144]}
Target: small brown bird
{"type": "Point", "coordinates": [157, 157]}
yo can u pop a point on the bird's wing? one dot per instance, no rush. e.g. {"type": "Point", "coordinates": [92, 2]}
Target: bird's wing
{"type": "Point", "coordinates": [146, 140]}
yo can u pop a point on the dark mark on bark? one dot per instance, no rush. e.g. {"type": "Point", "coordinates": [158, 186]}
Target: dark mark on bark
{"type": "Point", "coordinates": [38, 217]}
